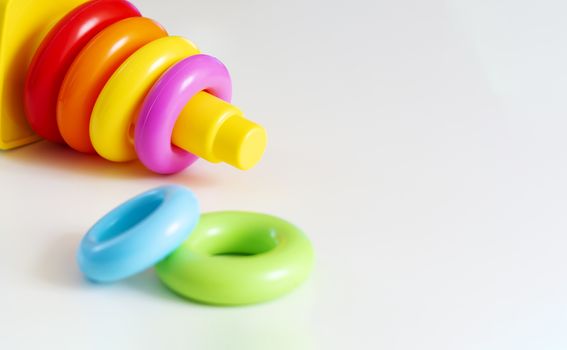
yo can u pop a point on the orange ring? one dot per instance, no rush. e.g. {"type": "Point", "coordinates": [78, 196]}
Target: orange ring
{"type": "Point", "coordinates": [90, 71]}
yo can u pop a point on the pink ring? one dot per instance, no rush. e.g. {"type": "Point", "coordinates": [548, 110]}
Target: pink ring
{"type": "Point", "coordinates": [165, 102]}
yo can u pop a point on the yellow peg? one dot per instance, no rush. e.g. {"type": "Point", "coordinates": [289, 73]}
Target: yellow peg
{"type": "Point", "coordinates": [216, 131]}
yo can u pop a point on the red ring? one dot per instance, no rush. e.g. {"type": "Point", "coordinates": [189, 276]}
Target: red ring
{"type": "Point", "coordinates": [57, 52]}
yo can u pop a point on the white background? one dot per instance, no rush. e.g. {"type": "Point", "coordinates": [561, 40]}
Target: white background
{"type": "Point", "coordinates": [420, 144]}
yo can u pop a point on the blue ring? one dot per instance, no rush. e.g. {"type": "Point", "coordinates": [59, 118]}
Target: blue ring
{"type": "Point", "coordinates": [138, 234]}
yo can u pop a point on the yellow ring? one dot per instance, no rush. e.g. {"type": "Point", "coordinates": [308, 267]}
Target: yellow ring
{"type": "Point", "coordinates": [117, 106]}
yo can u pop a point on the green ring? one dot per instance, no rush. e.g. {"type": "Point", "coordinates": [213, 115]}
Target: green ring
{"type": "Point", "coordinates": [235, 258]}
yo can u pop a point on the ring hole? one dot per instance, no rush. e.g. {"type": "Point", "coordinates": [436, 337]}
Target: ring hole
{"type": "Point", "coordinates": [235, 254]}
{"type": "Point", "coordinates": [135, 213]}
{"type": "Point", "coordinates": [241, 243]}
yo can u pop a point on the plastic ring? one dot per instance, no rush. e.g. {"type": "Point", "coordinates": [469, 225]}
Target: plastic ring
{"type": "Point", "coordinates": [165, 102]}
{"type": "Point", "coordinates": [235, 258]}
{"type": "Point", "coordinates": [117, 106]}
{"type": "Point", "coordinates": [137, 234]}
{"type": "Point", "coordinates": [57, 52]}
{"type": "Point", "coordinates": [90, 71]}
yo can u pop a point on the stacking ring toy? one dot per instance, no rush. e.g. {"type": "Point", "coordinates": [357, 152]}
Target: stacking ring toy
{"type": "Point", "coordinates": [165, 102]}
{"type": "Point", "coordinates": [237, 258]}
{"type": "Point", "coordinates": [137, 234]}
{"type": "Point", "coordinates": [106, 80]}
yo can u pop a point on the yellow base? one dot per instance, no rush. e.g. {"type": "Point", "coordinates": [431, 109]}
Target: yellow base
{"type": "Point", "coordinates": [23, 24]}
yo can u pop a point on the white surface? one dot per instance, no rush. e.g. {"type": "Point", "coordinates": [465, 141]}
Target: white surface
{"type": "Point", "coordinates": [420, 144]}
